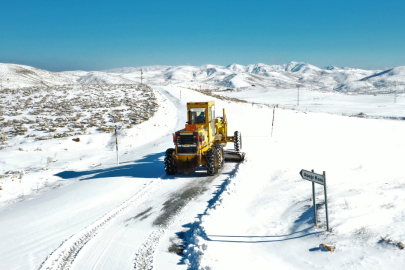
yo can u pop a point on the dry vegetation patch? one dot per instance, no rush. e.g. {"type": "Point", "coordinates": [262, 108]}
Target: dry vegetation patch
{"type": "Point", "coordinates": [44, 113]}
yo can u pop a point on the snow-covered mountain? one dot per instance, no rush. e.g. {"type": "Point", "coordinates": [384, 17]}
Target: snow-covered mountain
{"type": "Point", "coordinates": [290, 75]}
{"type": "Point", "coordinates": [286, 76]}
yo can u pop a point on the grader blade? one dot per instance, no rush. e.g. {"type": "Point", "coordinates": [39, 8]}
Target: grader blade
{"type": "Point", "coordinates": [233, 156]}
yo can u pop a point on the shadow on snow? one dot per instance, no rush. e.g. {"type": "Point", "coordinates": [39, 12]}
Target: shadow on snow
{"type": "Point", "coordinates": [148, 167]}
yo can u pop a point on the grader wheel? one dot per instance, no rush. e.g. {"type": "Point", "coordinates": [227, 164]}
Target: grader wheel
{"type": "Point", "coordinates": [221, 158]}
{"type": "Point", "coordinates": [212, 158]}
{"type": "Point", "coordinates": [169, 165]}
{"type": "Point", "coordinates": [237, 140]}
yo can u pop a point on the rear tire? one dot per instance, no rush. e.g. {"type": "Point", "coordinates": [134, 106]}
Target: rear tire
{"type": "Point", "coordinates": [237, 140]}
{"type": "Point", "coordinates": [169, 166]}
{"type": "Point", "coordinates": [212, 161]}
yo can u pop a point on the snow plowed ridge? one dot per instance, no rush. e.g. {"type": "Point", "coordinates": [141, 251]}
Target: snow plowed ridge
{"type": "Point", "coordinates": [62, 257]}
{"type": "Point", "coordinates": [196, 237]}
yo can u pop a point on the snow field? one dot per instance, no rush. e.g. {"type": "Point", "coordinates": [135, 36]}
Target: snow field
{"type": "Point", "coordinates": [266, 214]}
{"type": "Point", "coordinates": [325, 102]}
{"type": "Point", "coordinates": [254, 215]}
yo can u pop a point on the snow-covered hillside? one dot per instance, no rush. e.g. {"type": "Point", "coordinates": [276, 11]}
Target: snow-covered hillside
{"type": "Point", "coordinates": [96, 77]}
{"type": "Point", "coordinates": [234, 76]}
{"type": "Point", "coordinates": [18, 76]}
{"type": "Point", "coordinates": [14, 76]}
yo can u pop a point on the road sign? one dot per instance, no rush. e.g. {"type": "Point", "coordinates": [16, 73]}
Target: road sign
{"type": "Point", "coordinates": [319, 179]}
{"type": "Point", "coordinates": [314, 177]}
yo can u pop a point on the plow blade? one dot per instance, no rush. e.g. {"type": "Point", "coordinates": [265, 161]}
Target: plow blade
{"type": "Point", "coordinates": [233, 156]}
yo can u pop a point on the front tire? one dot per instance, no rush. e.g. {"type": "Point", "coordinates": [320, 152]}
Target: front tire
{"type": "Point", "coordinates": [220, 150]}
{"type": "Point", "coordinates": [212, 161]}
{"type": "Point", "coordinates": [169, 165]}
{"type": "Point", "coordinates": [237, 140]}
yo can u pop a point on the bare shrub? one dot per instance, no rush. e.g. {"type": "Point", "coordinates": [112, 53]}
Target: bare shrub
{"type": "Point", "coordinates": [175, 246]}
{"type": "Point", "coordinates": [48, 161]}
{"type": "Point", "coordinates": [364, 232]}
{"type": "Point", "coordinates": [3, 137]}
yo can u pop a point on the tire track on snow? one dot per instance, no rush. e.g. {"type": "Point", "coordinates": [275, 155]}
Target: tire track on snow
{"type": "Point", "coordinates": [63, 257]}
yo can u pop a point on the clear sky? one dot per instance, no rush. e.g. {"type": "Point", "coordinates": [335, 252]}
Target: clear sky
{"type": "Point", "coordinates": [96, 35]}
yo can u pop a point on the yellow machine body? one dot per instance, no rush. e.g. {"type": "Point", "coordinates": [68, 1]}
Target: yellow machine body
{"type": "Point", "coordinates": [202, 131]}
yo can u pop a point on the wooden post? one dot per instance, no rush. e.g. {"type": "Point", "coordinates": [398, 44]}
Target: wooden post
{"type": "Point", "coordinates": [313, 199]}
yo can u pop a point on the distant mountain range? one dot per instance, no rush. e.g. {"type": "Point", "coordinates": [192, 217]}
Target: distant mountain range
{"type": "Point", "coordinates": [291, 75]}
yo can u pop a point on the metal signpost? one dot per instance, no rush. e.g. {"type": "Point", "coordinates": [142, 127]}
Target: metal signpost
{"type": "Point", "coordinates": [321, 180]}
{"type": "Point", "coordinates": [116, 143]}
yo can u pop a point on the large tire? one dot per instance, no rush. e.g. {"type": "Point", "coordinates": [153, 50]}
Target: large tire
{"type": "Point", "coordinates": [237, 140]}
{"type": "Point", "coordinates": [220, 151]}
{"type": "Point", "coordinates": [169, 166]}
{"type": "Point", "coordinates": [212, 161]}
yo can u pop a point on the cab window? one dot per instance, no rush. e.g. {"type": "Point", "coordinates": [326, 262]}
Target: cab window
{"type": "Point", "coordinates": [196, 116]}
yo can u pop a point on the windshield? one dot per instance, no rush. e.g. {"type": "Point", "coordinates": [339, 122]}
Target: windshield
{"type": "Point", "coordinates": [196, 116]}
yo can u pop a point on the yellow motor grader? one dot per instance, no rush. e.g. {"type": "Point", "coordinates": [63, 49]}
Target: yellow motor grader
{"type": "Point", "coordinates": [202, 142]}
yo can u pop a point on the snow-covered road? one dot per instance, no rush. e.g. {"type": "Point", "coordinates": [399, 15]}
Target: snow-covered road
{"type": "Point", "coordinates": [100, 221]}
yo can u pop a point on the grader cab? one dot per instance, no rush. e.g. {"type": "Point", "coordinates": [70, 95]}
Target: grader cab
{"type": "Point", "coordinates": [202, 141]}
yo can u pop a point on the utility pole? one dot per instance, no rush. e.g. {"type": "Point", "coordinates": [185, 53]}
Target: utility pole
{"type": "Point", "coordinates": [298, 96]}
{"type": "Point", "coordinates": [141, 76]}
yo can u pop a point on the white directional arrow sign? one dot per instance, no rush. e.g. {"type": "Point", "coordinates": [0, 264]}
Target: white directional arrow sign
{"type": "Point", "coordinates": [314, 177]}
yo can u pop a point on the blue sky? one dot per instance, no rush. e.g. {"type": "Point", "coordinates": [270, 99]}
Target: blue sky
{"type": "Point", "coordinates": [97, 35]}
